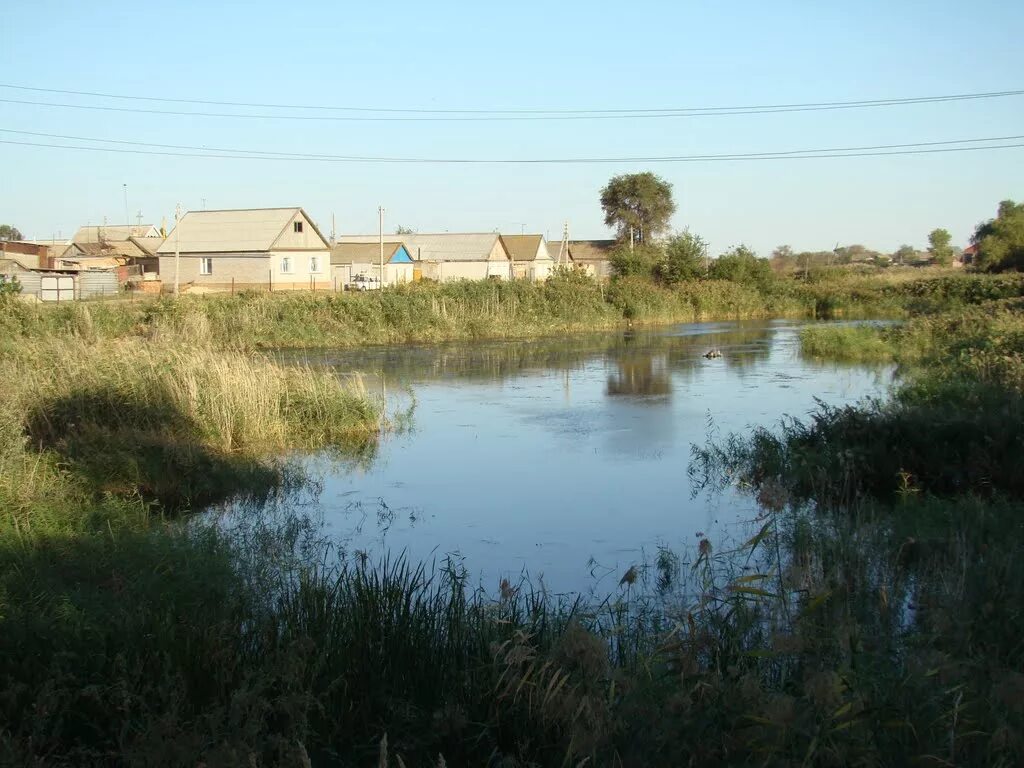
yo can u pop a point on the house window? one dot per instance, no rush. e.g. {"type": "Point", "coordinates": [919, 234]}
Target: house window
{"type": "Point", "coordinates": [297, 226]}
{"type": "Point", "coordinates": [314, 264]}
{"type": "Point", "coordinates": [286, 265]}
{"type": "Point", "coordinates": [206, 266]}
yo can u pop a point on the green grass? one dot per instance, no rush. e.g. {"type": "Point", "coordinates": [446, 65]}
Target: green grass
{"type": "Point", "coordinates": [874, 618]}
{"type": "Point", "coordinates": [427, 313]}
{"type": "Point", "coordinates": [846, 343]}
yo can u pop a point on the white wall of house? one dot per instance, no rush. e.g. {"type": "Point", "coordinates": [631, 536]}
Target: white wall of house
{"type": "Point", "coordinates": [448, 271]}
{"type": "Point", "coordinates": [394, 274]}
{"type": "Point", "coordinates": [300, 267]}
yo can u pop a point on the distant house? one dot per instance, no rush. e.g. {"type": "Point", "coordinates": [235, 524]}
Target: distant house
{"type": "Point", "coordinates": [28, 254]}
{"type": "Point", "coordinates": [113, 254]}
{"type": "Point", "coordinates": [266, 248]}
{"type": "Point", "coordinates": [351, 259]}
{"type": "Point", "coordinates": [452, 255]}
{"type": "Point", "coordinates": [969, 254]}
{"type": "Point", "coordinates": [149, 261]}
{"type": "Point", "coordinates": [530, 256]}
{"type": "Point", "coordinates": [593, 256]}
{"type": "Point", "coordinates": [113, 232]}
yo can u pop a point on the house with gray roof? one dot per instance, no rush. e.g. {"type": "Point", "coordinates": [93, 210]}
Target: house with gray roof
{"type": "Point", "coordinates": [452, 255]}
{"type": "Point", "coordinates": [350, 260]}
{"type": "Point", "coordinates": [256, 248]}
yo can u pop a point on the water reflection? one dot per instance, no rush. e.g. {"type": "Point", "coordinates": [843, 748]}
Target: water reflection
{"type": "Point", "coordinates": [641, 374]}
{"type": "Point", "coordinates": [543, 455]}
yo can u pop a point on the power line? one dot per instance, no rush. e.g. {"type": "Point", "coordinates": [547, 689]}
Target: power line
{"type": "Point", "coordinates": [413, 115]}
{"type": "Point", "coordinates": [741, 109]}
{"type": "Point", "coordinates": [379, 159]}
{"type": "Point", "coordinates": [789, 155]}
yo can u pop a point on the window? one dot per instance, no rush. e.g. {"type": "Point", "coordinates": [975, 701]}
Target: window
{"type": "Point", "coordinates": [297, 226]}
{"type": "Point", "coordinates": [314, 264]}
{"type": "Point", "coordinates": [206, 266]}
{"type": "Point", "coordinates": [286, 265]}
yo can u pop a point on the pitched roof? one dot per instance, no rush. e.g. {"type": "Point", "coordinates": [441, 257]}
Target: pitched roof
{"type": "Point", "coordinates": [591, 250]}
{"type": "Point", "coordinates": [251, 230]}
{"type": "Point", "coordinates": [93, 234]}
{"type": "Point", "coordinates": [525, 247]}
{"type": "Point", "coordinates": [449, 246]}
{"type": "Point", "coordinates": [115, 249]}
{"type": "Point", "coordinates": [148, 244]}
{"type": "Point", "coordinates": [363, 253]}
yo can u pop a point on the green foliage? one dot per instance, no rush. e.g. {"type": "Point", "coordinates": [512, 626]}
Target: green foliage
{"type": "Point", "coordinates": [847, 343]}
{"type": "Point", "coordinates": [641, 202]}
{"type": "Point", "coordinates": [939, 247]}
{"type": "Point", "coordinates": [638, 261]}
{"type": "Point", "coordinates": [742, 265]}
{"type": "Point", "coordinates": [9, 287]}
{"type": "Point", "coordinates": [905, 254]}
{"type": "Point", "coordinates": [1000, 241]}
{"type": "Point", "coordinates": [684, 258]}
{"type": "Point", "coordinates": [7, 232]}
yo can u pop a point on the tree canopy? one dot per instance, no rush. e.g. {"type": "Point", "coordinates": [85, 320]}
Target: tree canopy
{"type": "Point", "coordinates": [7, 232]}
{"type": "Point", "coordinates": [939, 246]}
{"type": "Point", "coordinates": [742, 265]}
{"type": "Point", "coordinates": [684, 258]}
{"type": "Point", "coordinates": [638, 201]}
{"type": "Point", "coordinates": [1000, 240]}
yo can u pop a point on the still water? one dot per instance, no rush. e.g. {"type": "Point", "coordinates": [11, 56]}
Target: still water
{"type": "Point", "coordinates": [566, 460]}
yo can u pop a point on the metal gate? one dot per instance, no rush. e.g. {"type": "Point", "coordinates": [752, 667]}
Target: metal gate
{"type": "Point", "coordinates": [57, 288]}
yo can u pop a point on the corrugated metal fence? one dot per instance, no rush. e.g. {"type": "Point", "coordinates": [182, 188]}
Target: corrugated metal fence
{"type": "Point", "coordinates": [69, 286]}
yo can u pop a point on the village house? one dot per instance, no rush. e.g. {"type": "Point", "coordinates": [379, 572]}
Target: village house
{"type": "Point", "coordinates": [593, 256]}
{"type": "Point", "coordinates": [269, 249]}
{"type": "Point", "coordinates": [352, 260]}
{"type": "Point", "coordinates": [530, 256]}
{"type": "Point", "coordinates": [451, 255]}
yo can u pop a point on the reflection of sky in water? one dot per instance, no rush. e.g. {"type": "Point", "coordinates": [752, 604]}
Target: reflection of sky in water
{"type": "Point", "coordinates": [539, 455]}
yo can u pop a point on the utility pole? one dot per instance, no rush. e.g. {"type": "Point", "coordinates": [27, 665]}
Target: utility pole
{"type": "Point", "coordinates": [177, 250]}
{"type": "Point", "coordinates": [333, 236]}
{"type": "Point", "coordinates": [126, 219]}
{"type": "Point", "coordinates": [380, 230]}
{"type": "Point", "coordinates": [138, 219]}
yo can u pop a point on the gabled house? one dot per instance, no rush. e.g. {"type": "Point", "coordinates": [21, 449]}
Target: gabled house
{"type": "Point", "coordinates": [348, 260]}
{"type": "Point", "coordinates": [530, 256]}
{"type": "Point", "coordinates": [452, 255]}
{"type": "Point", "coordinates": [594, 256]}
{"type": "Point", "coordinates": [266, 248]}
{"type": "Point", "coordinates": [113, 232]}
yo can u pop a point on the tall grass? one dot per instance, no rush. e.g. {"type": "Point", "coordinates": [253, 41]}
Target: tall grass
{"type": "Point", "coordinates": [424, 313]}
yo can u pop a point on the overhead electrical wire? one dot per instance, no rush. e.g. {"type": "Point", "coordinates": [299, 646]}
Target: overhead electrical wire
{"type": "Point", "coordinates": [912, 148]}
{"type": "Point", "coordinates": [391, 114]}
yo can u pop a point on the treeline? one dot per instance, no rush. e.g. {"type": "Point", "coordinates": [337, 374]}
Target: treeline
{"type": "Point", "coordinates": [996, 246]}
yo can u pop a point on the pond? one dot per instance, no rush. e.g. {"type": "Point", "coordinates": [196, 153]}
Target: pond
{"type": "Point", "coordinates": [566, 460]}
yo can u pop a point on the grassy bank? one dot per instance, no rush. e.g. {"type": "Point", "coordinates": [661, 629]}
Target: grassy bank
{"type": "Point", "coordinates": [873, 619]}
{"type": "Point", "coordinates": [427, 313]}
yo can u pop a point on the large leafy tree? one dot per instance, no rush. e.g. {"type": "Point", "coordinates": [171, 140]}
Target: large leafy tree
{"type": "Point", "coordinates": [1000, 240]}
{"type": "Point", "coordinates": [742, 265]}
{"type": "Point", "coordinates": [905, 254]}
{"type": "Point", "coordinates": [7, 232]}
{"type": "Point", "coordinates": [939, 246]}
{"type": "Point", "coordinates": [638, 202]}
{"type": "Point", "coordinates": [685, 256]}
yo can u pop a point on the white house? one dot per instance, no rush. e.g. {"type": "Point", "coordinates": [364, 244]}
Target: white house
{"type": "Point", "coordinates": [531, 259]}
{"type": "Point", "coordinates": [266, 248]}
{"type": "Point", "coordinates": [452, 255]}
{"type": "Point", "coordinates": [351, 259]}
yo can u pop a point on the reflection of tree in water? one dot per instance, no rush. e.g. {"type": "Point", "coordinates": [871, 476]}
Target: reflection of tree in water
{"type": "Point", "coordinates": [639, 373]}
{"type": "Point", "coordinates": [743, 346]}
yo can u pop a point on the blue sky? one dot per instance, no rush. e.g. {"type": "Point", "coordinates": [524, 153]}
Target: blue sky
{"type": "Point", "coordinates": [569, 55]}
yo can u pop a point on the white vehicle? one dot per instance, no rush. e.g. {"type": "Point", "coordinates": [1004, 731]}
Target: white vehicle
{"type": "Point", "coordinates": [365, 283]}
